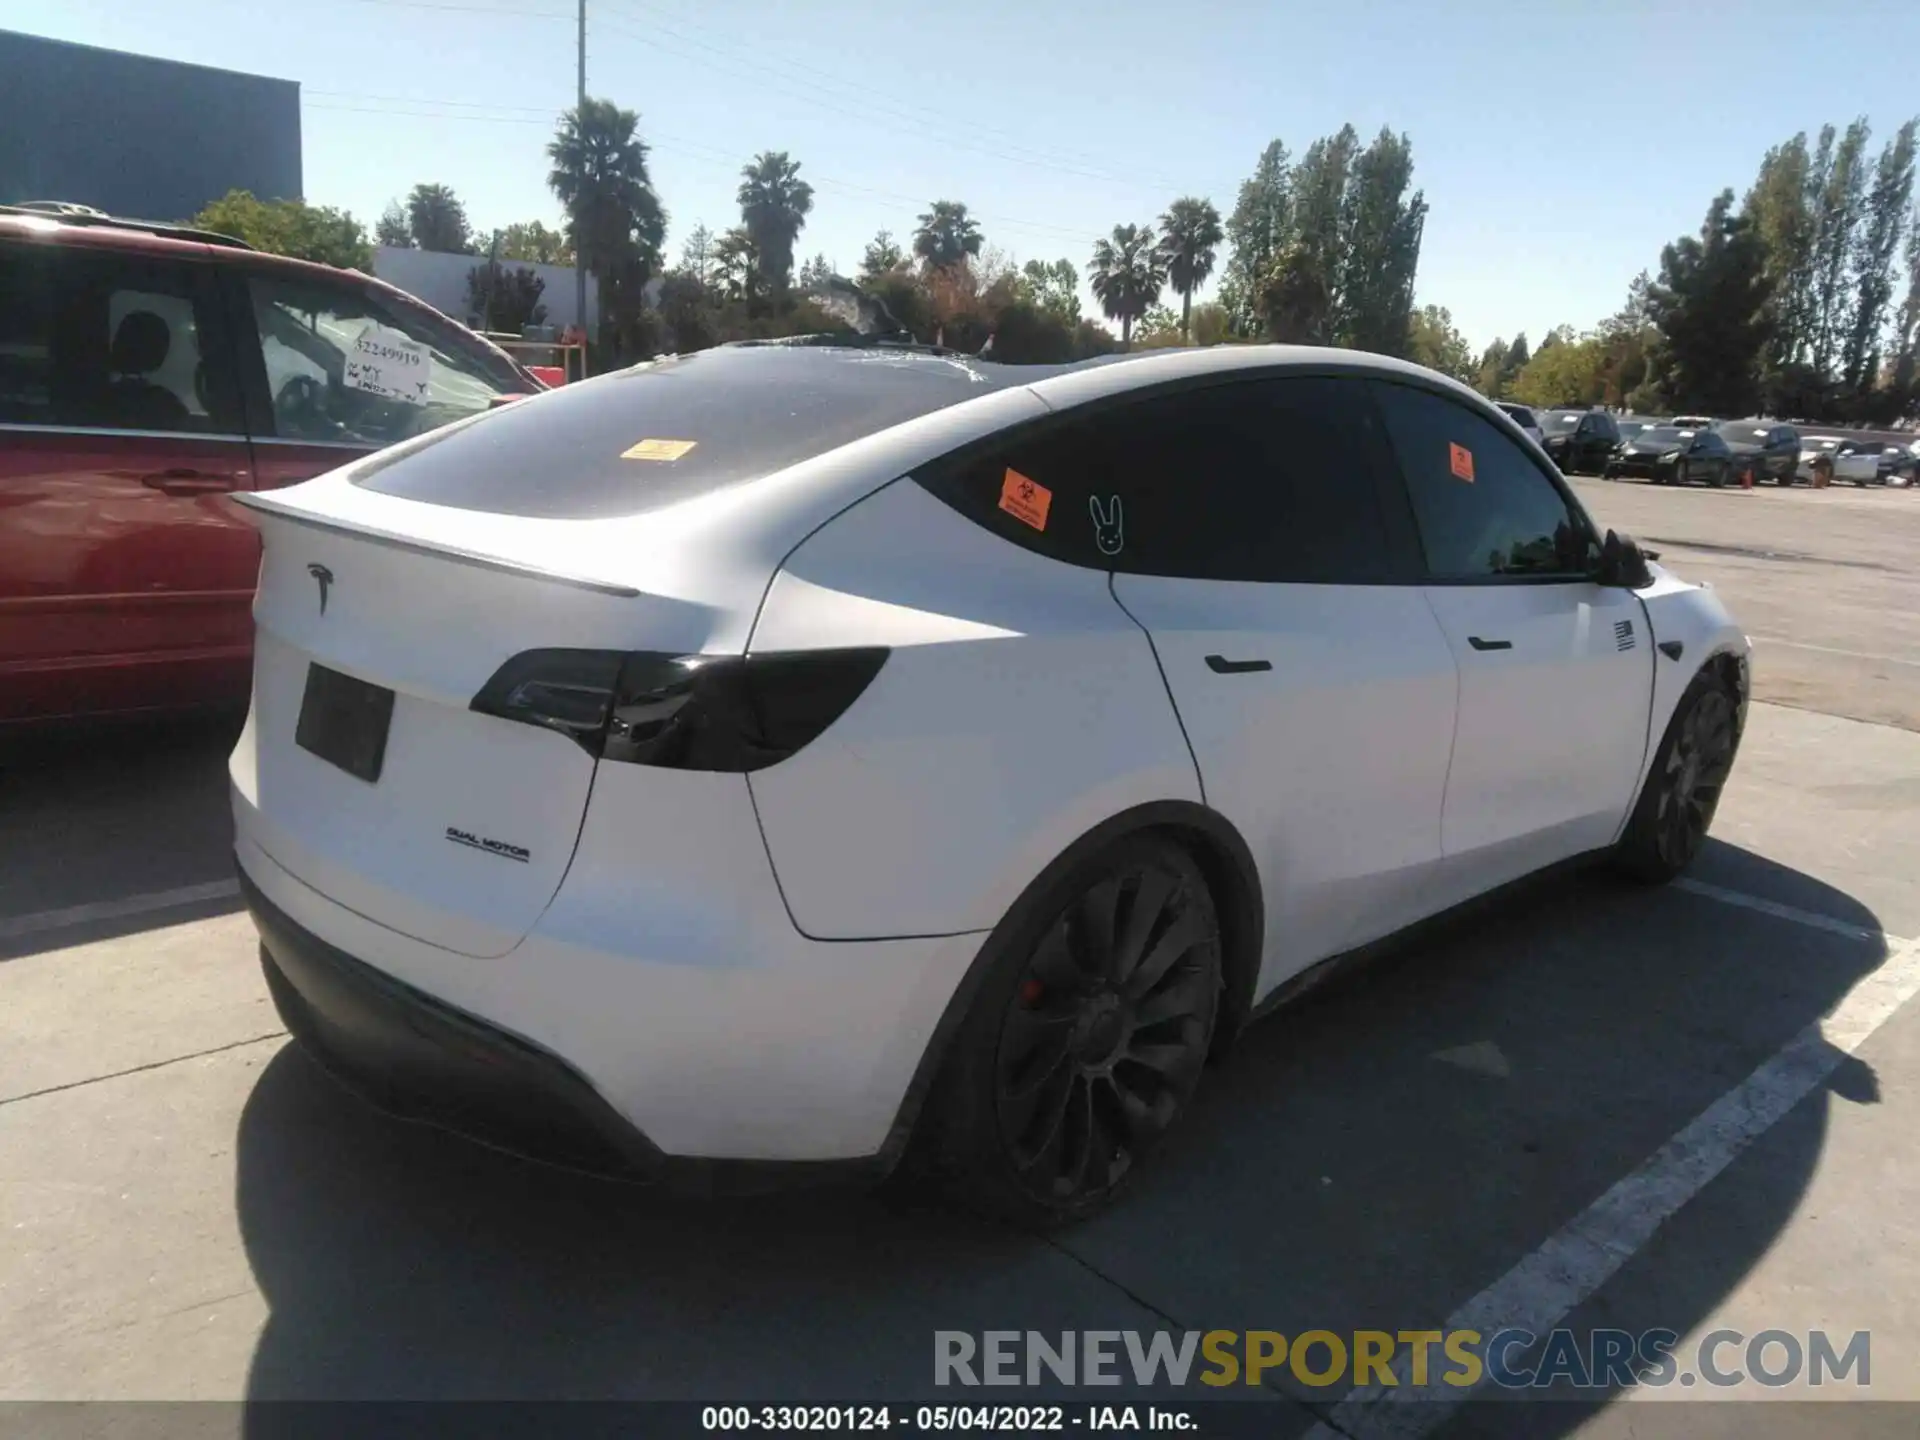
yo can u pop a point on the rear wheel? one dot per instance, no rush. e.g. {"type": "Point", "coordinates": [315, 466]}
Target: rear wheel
{"type": "Point", "coordinates": [1680, 473]}
{"type": "Point", "coordinates": [1670, 821]}
{"type": "Point", "coordinates": [1717, 476]}
{"type": "Point", "coordinates": [1086, 1039]}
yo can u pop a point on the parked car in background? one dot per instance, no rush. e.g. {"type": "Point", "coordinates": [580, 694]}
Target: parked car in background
{"type": "Point", "coordinates": [1853, 460]}
{"type": "Point", "coordinates": [1631, 425]}
{"type": "Point", "coordinates": [1579, 441]}
{"type": "Point", "coordinates": [1525, 419]}
{"type": "Point", "coordinates": [1672, 455]}
{"type": "Point", "coordinates": [149, 373]}
{"type": "Point", "coordinates": [1770, 449]}
{"type": "Point", "coordinates": [1694, 422]}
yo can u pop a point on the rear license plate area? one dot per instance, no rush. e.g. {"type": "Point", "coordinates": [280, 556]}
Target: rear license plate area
{"type": "Point", "coordinates": [344, 721]}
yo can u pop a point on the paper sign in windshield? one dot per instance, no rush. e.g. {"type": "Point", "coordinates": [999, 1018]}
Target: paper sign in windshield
{"type": "Point", "coordinates": [389, 365]}
{"type": "Point", "coordinates": [658, 449]}
{"type": "Point", "coordinates": [1026, 500]}
{"type": "Point", "coordinates": [1461, 459]}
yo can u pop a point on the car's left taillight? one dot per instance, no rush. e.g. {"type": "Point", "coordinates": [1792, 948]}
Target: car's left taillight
{"type": "Point", "coordinates": [683, 712]}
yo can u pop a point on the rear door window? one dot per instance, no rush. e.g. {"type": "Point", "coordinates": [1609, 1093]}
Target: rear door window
{"type": "Point", "coordinates": [1267, 480]}
{"type": "Point", "coordinates": [100, 340]}
{"type": "Point", "coordinates": [1484, 509]}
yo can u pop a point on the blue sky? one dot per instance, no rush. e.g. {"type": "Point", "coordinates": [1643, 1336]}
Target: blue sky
{"type": "Point", "coordinates": [1560, 144]}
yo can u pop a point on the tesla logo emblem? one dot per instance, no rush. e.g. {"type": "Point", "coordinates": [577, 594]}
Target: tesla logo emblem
{"type": "Point", "coordinates": [322, 577]}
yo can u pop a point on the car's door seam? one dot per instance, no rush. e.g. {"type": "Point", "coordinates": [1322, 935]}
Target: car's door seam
{"type": "Point", "coordinates": [1178, 719]}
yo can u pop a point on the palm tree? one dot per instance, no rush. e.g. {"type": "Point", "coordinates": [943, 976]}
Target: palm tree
{"type": "Point", "coordinates": [735, 263]}
{"type": "Point", "coordinates": [1189, 234]}
{"type": "Point", "coordinates": [438, 221]}
{"type": "Point", "coordinates": [774, 202]}
{"type": "Point", "coordinates": [1127, 275]}
{"type": "Point", "coordinates": [614, 219]}
{"type": "Point", "coordinates": [946, 236]}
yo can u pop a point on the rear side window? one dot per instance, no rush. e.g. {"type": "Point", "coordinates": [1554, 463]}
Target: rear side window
{"type": "Point", "coordinates": [106, 341]}
{"type": "Point", "coordinates": [658, 434]}
{"type": "Point", "coordinates": [1484, 509]}
{"type": "Point", "coordinates": [1267, 480]}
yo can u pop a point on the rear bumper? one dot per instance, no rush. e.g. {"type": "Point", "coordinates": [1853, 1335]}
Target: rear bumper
{"type": "Point", "coordinates": [420, 1059]}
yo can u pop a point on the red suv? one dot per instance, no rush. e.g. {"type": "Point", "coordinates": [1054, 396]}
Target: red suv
{"type": "Point", "coordinates": [147, 373]}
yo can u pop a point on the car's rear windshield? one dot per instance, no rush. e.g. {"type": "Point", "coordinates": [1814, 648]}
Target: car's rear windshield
{"type": "Point", "coordinates": [1519, 414]}
{"type": "Point", "coordinates": [664, 432]}
{"type": "Point", "coordinates": [1562, 421]}
{"type": "Point", "coordinates": [1661, 434]}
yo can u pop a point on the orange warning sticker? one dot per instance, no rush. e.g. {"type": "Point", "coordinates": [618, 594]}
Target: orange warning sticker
{"type": "Point", "coordinates": [658, 449]}
{"type": "Point", "coordinates": [1026, 500]}
{"type": "Point", "coordinates": [1461, 459]}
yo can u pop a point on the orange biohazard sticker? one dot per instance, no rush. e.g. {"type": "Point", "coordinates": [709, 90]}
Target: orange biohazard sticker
{"type": "Point", "coordinates": [1461, 459]}
{"type": "Point", "coordinates": [1026, 500]}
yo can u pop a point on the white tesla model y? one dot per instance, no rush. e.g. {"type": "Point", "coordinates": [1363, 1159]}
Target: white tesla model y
{"type": "Point", "coordinates": [747, 763]}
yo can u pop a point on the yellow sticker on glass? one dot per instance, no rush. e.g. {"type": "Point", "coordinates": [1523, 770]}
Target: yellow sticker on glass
{"type": "Point", "coordinates": [658, 450]}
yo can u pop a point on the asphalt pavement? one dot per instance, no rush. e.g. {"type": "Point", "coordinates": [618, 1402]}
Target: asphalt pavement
{"type": "Point", "coordinates": [1594, 1105]}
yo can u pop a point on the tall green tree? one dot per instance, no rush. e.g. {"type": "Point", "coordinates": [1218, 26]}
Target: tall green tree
{"type": "Point", "coordinates": [1871, 265]}
{"type": "Point", "coordinates": [1257, 231]}
{"type": "Point", "coordinates": [438, 221]}
{"type": "Point", "coordinates": [1840, 201]}
{"type": "Point", "coordinates": [946, 237]}
{"type": "Point", "coordinates": [1053, 287]}
{"type": "Point", "coordinates": [615, 222]}
{"type": "Point", "coordinates": [1781, 207]}
{"type": "Point", "coordinates": [1433, 341]}
{"type": "Point", "coordinates": [1905, 385]}
{"type": "Point", "coordinates": [290, 227]}
{"type": "Point", "coordinates": [1296, 302]}
{"type": "Point", "coordinates": [774, 203]}
{"type": "Point", "coordinates": [1190, 234]}
{"type": "Point", "coordinates": [1710, 304]}
{"type": "Point", "coordinates": [881, 256]}
{"type": "Point", "coordinates": [1320, 218]}
{"type": "Point", "coordinates": [1381, 228]}
{"type": "Point", "coordinates": [1127, 275]}
{"type": "Point", "coordinates": [1487, 373]}
{"type": "Point", "coordinates": [696, 255]}
{"type": "Point", "coordinates": [532, 243]}
{"type": "Point", "coordinates": [735, 263]}
{"type": "Point", "coordinates": [816, 272]}
{"type": "Point", "coordinates": [393, 228]}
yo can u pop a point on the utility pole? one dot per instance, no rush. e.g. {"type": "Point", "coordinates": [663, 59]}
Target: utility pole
{"type": "Point", "coordinates": [579, 259]}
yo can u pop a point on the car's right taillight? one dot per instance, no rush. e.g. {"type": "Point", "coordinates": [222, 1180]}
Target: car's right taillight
{"type": "Point", "coordinates": [682, 712]}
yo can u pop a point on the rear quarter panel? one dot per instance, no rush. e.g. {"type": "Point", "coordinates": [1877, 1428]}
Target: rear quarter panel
{"type": "Point", "coordinates": [1020, 707]}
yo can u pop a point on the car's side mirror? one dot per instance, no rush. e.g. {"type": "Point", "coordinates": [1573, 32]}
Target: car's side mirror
{"type": "Point", "coordinates": [1623, 564]}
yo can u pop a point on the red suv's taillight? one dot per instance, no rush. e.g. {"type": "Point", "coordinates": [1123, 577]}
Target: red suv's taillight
{"type": "Point", "coordinates": [682, 712]}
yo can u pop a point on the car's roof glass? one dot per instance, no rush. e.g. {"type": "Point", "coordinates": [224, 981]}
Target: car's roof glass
{"type": "Point", "coordinates": [661, 433]}
{"type": "Point", "coordinates": [1561, 421]}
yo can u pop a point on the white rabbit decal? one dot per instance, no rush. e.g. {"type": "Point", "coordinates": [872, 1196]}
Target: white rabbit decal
{"type": "Point", "coordinates": [1106, 524]}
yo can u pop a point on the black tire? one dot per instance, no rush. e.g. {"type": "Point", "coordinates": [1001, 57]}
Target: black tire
{"type": "Point", "coordinates": [1680, 472]}
{"type": "Point", "coordinates": [1717, 477]}
{"type": "Point", "coordinates": [1671, 818]}
{"type": "Point", "coordinates": [1074, 1060]}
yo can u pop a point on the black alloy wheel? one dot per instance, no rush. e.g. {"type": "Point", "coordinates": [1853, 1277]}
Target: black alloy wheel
{"type": "Point", "coordinates": [1107, 1033]}
{"type": "Point", "coordinates": [1087, 1038]}
{"type": "Point", "coordinates": [1677, 804]}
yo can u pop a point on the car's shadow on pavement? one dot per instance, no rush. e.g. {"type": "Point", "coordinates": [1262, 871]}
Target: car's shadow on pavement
{"type": "Point", "coordinates": [1368, 1158]}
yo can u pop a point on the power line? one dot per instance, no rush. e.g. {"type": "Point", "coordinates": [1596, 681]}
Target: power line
{"type": "Point", "coordinates": [863, 97]}
{"type": "Point", "coordinates": [407, 107]}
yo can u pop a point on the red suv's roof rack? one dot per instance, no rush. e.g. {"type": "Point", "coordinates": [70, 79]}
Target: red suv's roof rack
{"type": "Point", "coordinates": [68, 213]}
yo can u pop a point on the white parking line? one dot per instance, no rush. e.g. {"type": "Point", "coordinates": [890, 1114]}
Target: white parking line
{"type": "Point", "coordinates": [1540, 1291]}
{"type": "Point", "coordinates": [1786, 912]}
{"type": "Point", "coordinates": [14, 927]}
{"type": "Point", "coordinates": [1833, 650]}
